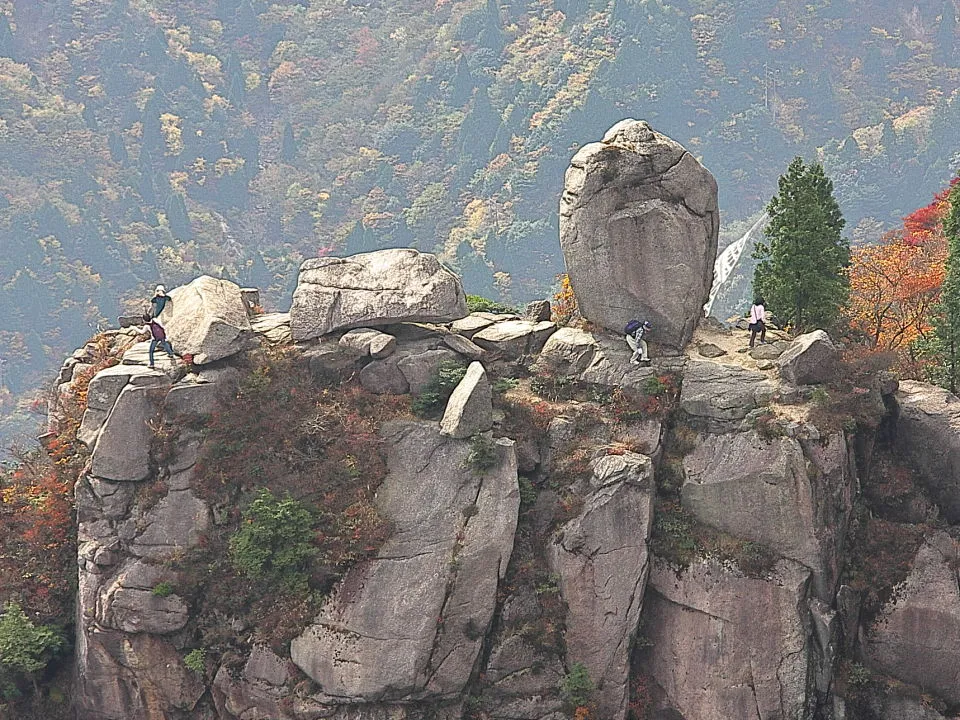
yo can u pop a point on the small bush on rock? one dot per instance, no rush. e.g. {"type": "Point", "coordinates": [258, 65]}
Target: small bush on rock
{"type": "Point", "coordinates": [576, 687]}
{"type": "Point", "coordinates": [273, 542]}
{"type": "Point", "coordinates": [483, 453]}
{"type": "Point", "coordinates": [162, 589]}
{"type": "Point", "coordinates": [196, 660]}
{"type": "Point", "coordinates": [433, 399]}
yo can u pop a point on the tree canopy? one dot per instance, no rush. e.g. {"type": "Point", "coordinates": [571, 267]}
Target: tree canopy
{"type": "Point", "coordinates": [802, 268]}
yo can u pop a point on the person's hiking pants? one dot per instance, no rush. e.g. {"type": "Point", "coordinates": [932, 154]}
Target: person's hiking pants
{"type": "Point", "coordinates": [639, 347]}
{"type": "Point", "coordinates": [164, 345]}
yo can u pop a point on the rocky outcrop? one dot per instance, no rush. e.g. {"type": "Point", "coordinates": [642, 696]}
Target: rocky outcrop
{"type": "Point", "coordinates": [928, 439]}
{"type": "Point", "coordinates": [371, 289]}
{"type": "Point", "coordinates": [916, 638]}
{"type": "Point", "coordinates": [128, 658]}
{"type": "Point", "coordinates": [723, 645]}
{"type": "Point", "coordinates": [638, 227]}
{"type": "Point", "coordinates": [409, 624]}
{"type": "Point", "coordinates": [811, 359]}
{"type": "Point", "coordinates": [602, 560]}
{"type": "Point", "coordinates": [207, 319]}
{"type": "Point", "coordinates": [470, 408]}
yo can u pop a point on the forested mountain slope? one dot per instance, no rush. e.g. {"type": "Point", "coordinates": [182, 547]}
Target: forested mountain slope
{"type": "Point", "coordinates": [150, 140]}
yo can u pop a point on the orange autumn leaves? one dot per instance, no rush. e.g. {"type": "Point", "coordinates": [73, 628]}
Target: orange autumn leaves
{"type": "Point", "coordinates": [895, 284]}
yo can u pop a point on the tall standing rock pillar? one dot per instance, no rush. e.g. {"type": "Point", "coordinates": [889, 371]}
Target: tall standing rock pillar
{"type": "Point", "coordinates": [638, 227]}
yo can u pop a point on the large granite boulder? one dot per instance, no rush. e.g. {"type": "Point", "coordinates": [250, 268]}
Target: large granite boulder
{"type": "Point", "coordinates": [811, 359]}
{"type": "Point", "coordinates": [370, 289]}
{"type": "Point", "coordinates": [122, 452]}
{"type": "Point", "coordinates": [638, 227]}
{"type": "Point", "coordinates": [409, 625]}
{"type": "Point", "coordinates": [792, 497]}
{"type": "Point", "coordinates": [916, 638]}
{"type": "Point", "coordinates": [602, 561]}
{"type": "Point", "coordinates": [728, 646]}
{"type": "Point", "coordinates": [927, 438]}
{"type": "Point", "coordinates": [208, 320]}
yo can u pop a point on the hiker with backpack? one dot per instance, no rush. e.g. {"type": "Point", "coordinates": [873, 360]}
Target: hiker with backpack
{"type": "Point", "coordinates": [635, 332]}
{"type": "Point", "coordinates": [758, 321]}
{"type": "Point", "coordinates": [158, 336]}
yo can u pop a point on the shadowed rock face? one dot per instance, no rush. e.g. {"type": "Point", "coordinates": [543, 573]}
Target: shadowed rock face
{"type": "Point", "coordinates": [638, 227]}
{"type": "Point", "coordinates": [916, 638]}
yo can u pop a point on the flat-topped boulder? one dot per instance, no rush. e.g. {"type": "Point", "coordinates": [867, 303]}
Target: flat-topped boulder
{"type": "Point", "coordinates": [207, 319]}
{"type": "Point", "coordinates": [638, 227]}
{"type": "Point", "coordinates": [373, 289]}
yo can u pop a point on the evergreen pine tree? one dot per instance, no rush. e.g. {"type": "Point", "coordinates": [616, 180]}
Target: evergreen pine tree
{"type": "Point", "coordinates": [801, 273]}
{"type": "Point", "coordinates": [946, 318]}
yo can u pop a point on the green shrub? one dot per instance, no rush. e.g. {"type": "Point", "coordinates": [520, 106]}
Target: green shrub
{"type": "Point", "coordinates": [196, 660]}
{"type": "Point", "coordinates": [478, 303]}
{"type": "Point", "coordinates": [576, 687]}
{"type": "Point", "coordinates": [274, 540]}
{"type": "Point", "coordinates": [654, 386]}
{"type": "Point", "coordinates": [24, 647]}
{"type": "Point", "coordinates": [162, 589]}
{"type": "Point", "coordinates": [433, 398]}
{"type": "Point", "coordinates": [502, 385]}
{"type": "Point", "coordinates": [820, 396]}
{"type": "Point", "coordinates": [483, 453]}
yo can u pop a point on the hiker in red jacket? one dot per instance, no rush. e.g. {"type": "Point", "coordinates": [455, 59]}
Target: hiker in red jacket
{"type": "Point", "coordinates": [158, 336]}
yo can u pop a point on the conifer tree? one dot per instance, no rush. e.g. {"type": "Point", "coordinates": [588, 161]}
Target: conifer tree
{"type": "Point", "coordinates": [802, 269]}
{"type": "Point", "coordinates": [946, 319]}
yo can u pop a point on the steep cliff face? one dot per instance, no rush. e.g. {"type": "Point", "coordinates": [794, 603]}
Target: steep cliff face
{"type": "Point", "coordinates": [492, 518]}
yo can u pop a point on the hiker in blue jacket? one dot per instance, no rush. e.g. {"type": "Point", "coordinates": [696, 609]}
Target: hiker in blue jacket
{"type": "Point", "coordinates": [634, 332]}
{"type": "Point", "coordinates": [159, 301]}
{"type": "Point", "coordinates": [158, 336]}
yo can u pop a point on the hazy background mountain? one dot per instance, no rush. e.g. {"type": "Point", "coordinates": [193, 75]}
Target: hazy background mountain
{"type": "Point", "coordinates": [146, 141]}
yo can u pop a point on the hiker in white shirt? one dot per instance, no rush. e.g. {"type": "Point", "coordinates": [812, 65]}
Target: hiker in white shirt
{"type": "Point", "coordinates": [758, 321]}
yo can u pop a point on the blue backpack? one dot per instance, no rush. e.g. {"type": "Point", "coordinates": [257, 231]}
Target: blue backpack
{"type": "Point", "coordinates": [632, 327]}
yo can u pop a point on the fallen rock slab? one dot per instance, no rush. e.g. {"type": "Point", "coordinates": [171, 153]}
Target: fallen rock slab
{"type": "Point", "coordinates": [470, 408]}
{"type": "Point", "coordinates": [916, 638]}
{"type": "Point", "coordinates": [927, 438]}
{"type": "Point", "coordinates": [371, 289]}
{"type": "Point", "coordinates": [409, 625]}
{"type": "Point", "coordinates": [601, 558]}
